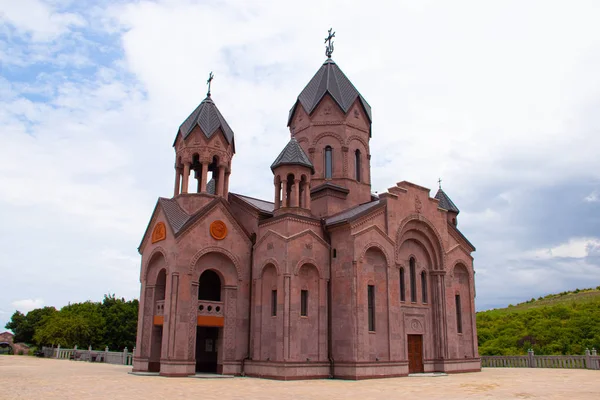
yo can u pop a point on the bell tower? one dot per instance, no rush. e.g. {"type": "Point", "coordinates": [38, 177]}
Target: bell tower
{"type": "Point", "coordinates": [205, 146]}
{"type": "Point", "coordinates": [332, 123]}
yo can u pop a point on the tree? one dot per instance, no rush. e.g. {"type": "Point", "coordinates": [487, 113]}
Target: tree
{"type": "Point", "coordinates": [24, 326]}
{"type": "Point", "coordinates": [121, 322]}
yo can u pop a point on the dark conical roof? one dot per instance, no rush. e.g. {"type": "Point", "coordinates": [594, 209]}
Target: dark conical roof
{"type": "Point", "coordinates": [445, 201]}
{"type": "Point", "coordinates": [209, 119]}
{"type": "Point", "coordinates": [329, 79]}
{"type": "Point", "coordinates": [292, 154]}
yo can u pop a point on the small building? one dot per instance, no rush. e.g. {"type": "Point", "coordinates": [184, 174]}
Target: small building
{"type": "Point", "coordinates": [324, 279]}
{"type": "Point", "coordinates": [8, 346]}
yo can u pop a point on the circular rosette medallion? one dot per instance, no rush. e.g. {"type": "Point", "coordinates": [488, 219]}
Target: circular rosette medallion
{"type": "Point", "coordinates": [218, 230]}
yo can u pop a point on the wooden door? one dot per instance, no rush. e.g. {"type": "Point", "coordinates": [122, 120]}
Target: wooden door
{"type": "Point", "coordinates": [415, 354]}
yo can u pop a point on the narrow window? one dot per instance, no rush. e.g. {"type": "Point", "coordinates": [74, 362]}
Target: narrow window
{"type": "Point", "coordinates": [357, 165]}
{"type": "Point", "coordinates": [458, 314]}
{"type": "Point", "coordinates": [402, 286]}
{"type": "Point", "coordinates": [273, 302]}
{"type": "Point", "coordinates": [304, 303]}
{"type": "Point", "coordinates": [371, 306]}
{"type": "Point", "coordinates": [424, 287]}
{"type": "Point", "coordinates": [328, 162]}
{"type": "Point", "coordinates": [413, 281]}
{"type": "Point", "coordinates": [334, 253]}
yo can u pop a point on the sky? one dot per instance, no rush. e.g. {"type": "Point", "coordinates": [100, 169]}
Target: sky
{"type": "Point", "coordinates": [498, 98]}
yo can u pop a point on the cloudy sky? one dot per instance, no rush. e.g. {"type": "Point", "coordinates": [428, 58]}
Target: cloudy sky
{"type": "Point", "coordinates": [499, 98]}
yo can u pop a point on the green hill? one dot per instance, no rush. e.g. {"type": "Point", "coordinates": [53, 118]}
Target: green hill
{"type": "Point", "coordinates": [564, 323]}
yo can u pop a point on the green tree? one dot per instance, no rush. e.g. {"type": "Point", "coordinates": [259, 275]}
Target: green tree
{"type": "Point", "coordinates": [121, 322]}
{"type": "Point", "coordinates": [24, 326]}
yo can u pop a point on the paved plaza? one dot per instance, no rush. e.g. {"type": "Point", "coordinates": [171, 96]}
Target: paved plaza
{"type": "Point", "coordinates": [35, 378]}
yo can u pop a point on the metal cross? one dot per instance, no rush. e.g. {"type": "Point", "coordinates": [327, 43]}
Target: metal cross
{"type": "Point", "coordinates": [440, 182]}
{"type": "Point", "coordinates": [210, 78]}
{"type": "Point", "coordinates": [329, 47]}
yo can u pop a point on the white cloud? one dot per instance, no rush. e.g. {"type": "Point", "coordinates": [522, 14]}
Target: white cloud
{"type": "Point", "coordinates": [38, 19]}
{"type": "Point", "coordinates": [27, 305]}
{"type": "Point", "coordinates": [473, 92]}
{"type": "Point", "coordinates": [574, 248]}
{"type": "Point", "coordinates": [593, 197]}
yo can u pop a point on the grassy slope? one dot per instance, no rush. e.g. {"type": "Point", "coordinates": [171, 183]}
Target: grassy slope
{"type": "Point", "coordinates": [564, 323]}
{"type": "Point", "coordinates": [565, 298]}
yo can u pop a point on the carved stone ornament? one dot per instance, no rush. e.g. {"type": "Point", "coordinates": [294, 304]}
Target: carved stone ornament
{"type": "Point", "coordinates": [416, 325]}
{"type": "Point", "coordinates": [418, 205]}
{"type": "Point", "coordinates": [218, 230]}
{"type": "Point", "coordinates": [327, 109]}
{"type": "Point", "coordinates": [159, 233]}
{"type": "Point", "coordinates": [356, 113]}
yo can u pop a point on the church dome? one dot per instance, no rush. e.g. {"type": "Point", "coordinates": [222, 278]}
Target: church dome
{"type": "Point", "coordinates": [329, 79]}
{"type": "Point", "coordinates": [208, 117]}
{"type": "Point", "coordinates": [292, 154]}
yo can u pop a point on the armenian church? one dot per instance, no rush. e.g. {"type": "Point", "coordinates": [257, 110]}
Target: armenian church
{"type": "Point", "coordinates": [323, 280]}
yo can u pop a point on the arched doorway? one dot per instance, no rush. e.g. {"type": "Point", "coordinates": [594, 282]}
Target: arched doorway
{"type": "Point", "coordinates": [209, 300]}
{"type": "Point", "coordinates": [6, 348]}
{"type": "Point", "coordinates": [157, 329]}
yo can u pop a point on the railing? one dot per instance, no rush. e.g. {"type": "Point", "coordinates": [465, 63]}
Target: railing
{"type": "Point", "coordinates": [159, 308]}
{"type": "Point", "coordinates": [212, 308]}
{"type": "Point", "coordinates": [110, 357]}
{"type": "Point", "coordinates": [590, 360]}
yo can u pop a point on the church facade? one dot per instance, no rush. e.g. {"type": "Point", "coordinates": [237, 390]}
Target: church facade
{"type": "Point", "coordinates": [323, 280]}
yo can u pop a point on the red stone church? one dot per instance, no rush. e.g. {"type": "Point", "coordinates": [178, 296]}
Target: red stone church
{"type": "Point", "coordinates": [325, 279]}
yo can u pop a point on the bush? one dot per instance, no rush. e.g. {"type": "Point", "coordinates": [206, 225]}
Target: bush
{"type": "Point", "coordinates": [20, 352]}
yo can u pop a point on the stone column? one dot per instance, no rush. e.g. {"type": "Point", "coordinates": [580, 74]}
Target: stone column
{"type": "Point", "coordinates": [296, 193]}
{"type": "Point", "coordinates": [277, 194]}
{"type": "Point", "coordinates": [286, 315]}
{"type": "Point", "coordinates": [177, 181]}
{"type": "Point", "coordinates": [307, 195]}
{"type": "Point", "coordinates": [220, 181]}
{"type": "Point", "coordinates": [439, 314]}
{"type": "Point", "coordinates": [186, 176]}
{"type": "Point", "coordinates": [226, 187]}
{"type": "Point", "coordinates": [345, 161]}
{"type": "Point", "coordinates": [230, 328]}
{"type": "Point", "coordinates": [284, 200]}
{"type": "Point", "coordinates": [203, 177]}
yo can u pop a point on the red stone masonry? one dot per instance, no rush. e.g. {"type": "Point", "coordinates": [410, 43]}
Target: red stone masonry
{"type": "Point", "coordinates": [281, 289]}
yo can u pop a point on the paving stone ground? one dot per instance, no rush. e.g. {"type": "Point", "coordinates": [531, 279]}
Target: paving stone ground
{"type": "Point", "coordinates": [34, 378]}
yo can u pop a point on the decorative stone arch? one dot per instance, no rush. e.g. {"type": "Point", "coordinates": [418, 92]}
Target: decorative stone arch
{"type": "Point", "coordinates": [302, 140]}
{"type": "Point", "coordinates": [461, 263]}
{"type": "Point", "coordinates": [377, 245]}
{"type": "Point", "coordinates": [431, 234]}
{"type": "Point", "coordinates": [309, 261]}
{"type": "Point", "coordinates": [269, 261]}
{"type": "Point", "coordinates": [356, 137]}
{"type": "Point", "coordinates": [325, 134]}
{"type": "Point", "coordinates": [214, 249]}
{"type": "Point", "coordinates": [151, 257]}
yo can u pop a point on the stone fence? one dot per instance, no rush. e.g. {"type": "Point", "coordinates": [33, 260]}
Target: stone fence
{"type": "Point", "coordinates": [111, 357]}
{"type": "Point", "coordinates": [590, 360]}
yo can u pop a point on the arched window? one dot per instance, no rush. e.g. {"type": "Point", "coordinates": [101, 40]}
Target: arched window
{"type": "Point", "coordinates": [413, 281]}
{"type": "Point", "coordinates": [402, 286]}
{"type": "Point", "coordinates": [458, 313]}
{"type": "Point", "coordinates": [210, 286]}
{"type": "Point", "coordinates": [328, 162]}
{"type": "Point", "coordinates": [424, 287]}
{"type": "Point", "coordinates": [357, 164]}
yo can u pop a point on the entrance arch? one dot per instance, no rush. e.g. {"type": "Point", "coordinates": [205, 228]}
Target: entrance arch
{"type": "Point", "coordinates": [6, 348]}
{"type": "Point", "coordinates": [216, 277]}
{"type": "Point", "coordinates": [157, 329]}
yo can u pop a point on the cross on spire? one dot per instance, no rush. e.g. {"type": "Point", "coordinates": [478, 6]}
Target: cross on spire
{"type": "Point", "coordinates": [440, 182]}
{"type": "Point", "coordinates": [208, 82]}
{"type": "Point", "coordinates": [329, 47]}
